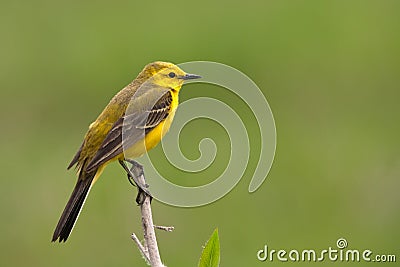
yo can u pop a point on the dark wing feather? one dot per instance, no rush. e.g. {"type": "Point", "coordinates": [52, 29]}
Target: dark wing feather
{"type": "Point", "coordinates": [76, 157]}
{"type": "Point", "coordinates": [130, 129]}
{"type": "Point", "coordinates": [158, 113]}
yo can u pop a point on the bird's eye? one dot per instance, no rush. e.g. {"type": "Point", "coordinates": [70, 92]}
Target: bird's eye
{"type": "Point", "coordinates": [172, 74]}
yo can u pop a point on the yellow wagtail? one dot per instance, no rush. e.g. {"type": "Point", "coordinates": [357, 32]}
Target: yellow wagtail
{"type": "Point", "coordinates": [142, 112]}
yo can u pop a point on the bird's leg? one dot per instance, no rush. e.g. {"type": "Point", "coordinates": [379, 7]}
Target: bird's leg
{"type": "Point", "coordinates": [133, 174]}
{"type": "Point", "coordinates": [137, 170]}
{"type": "Point", "coordinates": [137, 167]}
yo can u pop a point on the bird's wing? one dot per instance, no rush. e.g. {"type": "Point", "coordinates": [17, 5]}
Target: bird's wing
{"type": "Point", "coordinates": [130, 129]}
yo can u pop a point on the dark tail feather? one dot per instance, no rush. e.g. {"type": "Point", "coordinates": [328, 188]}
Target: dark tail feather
{"type": "Point", "coordinates": [73, 208]}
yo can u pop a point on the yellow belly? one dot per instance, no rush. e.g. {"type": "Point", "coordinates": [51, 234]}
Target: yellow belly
{"type": "Point", "coordinates": [151, 139]}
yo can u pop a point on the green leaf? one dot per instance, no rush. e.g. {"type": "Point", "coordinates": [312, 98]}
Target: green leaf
{"type": "Point", "coordinates": [211, 252]}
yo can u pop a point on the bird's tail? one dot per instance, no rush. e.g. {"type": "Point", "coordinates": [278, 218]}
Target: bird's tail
{"type": "Point", "coordinates": [73, 207]}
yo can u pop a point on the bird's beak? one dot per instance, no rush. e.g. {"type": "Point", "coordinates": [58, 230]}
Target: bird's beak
{"type": "Point", "coordinates": [189, 76]}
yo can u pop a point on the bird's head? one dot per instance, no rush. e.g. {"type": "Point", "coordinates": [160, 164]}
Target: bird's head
{"type": "Point", "coordinates": [165, 74]}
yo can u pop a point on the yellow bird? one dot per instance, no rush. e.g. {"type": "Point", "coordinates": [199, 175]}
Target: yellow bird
{"type": "Point", "coordinates": [135, 120]}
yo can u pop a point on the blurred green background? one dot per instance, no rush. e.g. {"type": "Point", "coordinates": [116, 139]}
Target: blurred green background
{"type": "Point", "coordinates": [329, 69]}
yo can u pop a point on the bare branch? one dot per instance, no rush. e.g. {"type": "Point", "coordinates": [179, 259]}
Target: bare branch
{"type": "Point", "coordinates": [149, 234]}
